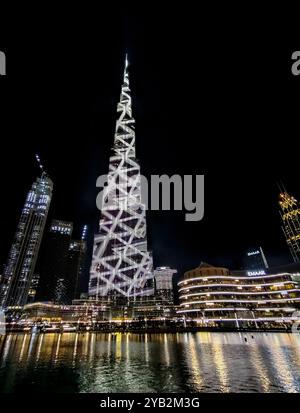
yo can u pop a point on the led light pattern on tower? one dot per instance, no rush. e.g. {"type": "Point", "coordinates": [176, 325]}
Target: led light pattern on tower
{"type": "Point", "coordinates": [290, 214]}
{"type": "Point", "coordinates": [122, 264]}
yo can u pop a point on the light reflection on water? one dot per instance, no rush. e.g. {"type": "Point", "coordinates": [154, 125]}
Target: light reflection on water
{"type": "Point", "coordinates": [182, 362]}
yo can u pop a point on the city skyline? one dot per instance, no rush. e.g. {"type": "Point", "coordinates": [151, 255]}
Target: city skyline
{"type": "Point", "coordinates": [289, 259]}
{"type": "Point", "coordinates": [160, 252]}
{"type": "Point", "coordinates": [232, 145]}
{"type": "Point", "coordinates": [220, 256]}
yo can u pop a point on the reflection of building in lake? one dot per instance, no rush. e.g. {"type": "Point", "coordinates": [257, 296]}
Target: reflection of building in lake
{"type": "Point", "coordinates": [214, 296]}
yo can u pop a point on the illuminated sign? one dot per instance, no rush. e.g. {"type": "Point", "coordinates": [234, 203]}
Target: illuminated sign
{"type": "Point", "coordinates": [254, 273]}
{"type": "Point", "coordinates": [253, 253]}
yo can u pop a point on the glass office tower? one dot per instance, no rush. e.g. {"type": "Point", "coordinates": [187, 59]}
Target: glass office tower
{"type": "Point", "coordinates": [17, 277]}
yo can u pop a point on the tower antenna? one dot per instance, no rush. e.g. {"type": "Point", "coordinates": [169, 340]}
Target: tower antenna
{"type": "Point", "coordinates": [279, 186]}
{"type": "Point", "coordinates": [39, 163]}
{"type": "Point", "coordinates": [282, 185]}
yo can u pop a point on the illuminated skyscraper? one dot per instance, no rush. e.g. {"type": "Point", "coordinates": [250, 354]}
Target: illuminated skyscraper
{"type": "Point", "coordinates": [22, 258]}
{"type": "Point", "coordinates": [122, 264]}
{"type": "Point", "coordinates": [290, 215]}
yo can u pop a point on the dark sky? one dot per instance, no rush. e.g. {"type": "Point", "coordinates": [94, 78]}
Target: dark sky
{"type": "Point", "coordinates": [212, 95]}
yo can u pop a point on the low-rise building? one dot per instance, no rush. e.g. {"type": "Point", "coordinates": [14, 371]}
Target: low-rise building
{"type": "Point", "coordinates": [215, 297]}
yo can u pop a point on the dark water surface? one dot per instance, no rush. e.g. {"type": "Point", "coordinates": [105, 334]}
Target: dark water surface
{"type": "Point", "coordinates": [185, 362]}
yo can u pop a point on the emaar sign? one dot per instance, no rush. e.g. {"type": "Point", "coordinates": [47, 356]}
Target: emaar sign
{"type": "Point", "coordinates": [2, 63]}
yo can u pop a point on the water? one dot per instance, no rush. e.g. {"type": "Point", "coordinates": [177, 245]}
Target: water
{"type": "Point", "coordinates": [185, 362]}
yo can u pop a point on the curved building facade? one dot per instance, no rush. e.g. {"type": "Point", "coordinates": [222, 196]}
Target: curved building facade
{"type": "Point", "coordinates": [213, 296]}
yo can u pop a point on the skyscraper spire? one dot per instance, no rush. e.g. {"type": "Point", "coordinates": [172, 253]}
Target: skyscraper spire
{"type": "Point", "coordinates": [126, 67]}
{"type": "Point", "coordinates": [125, 136]}
{"type": "Point", "coordinates": [122, 264]}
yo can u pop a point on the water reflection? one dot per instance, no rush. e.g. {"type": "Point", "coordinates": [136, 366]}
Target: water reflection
{"type": "Point", "coordinates": [220, 365]}
{"type": "Point", "coordinates": [258, 365]}
{"type": "Point", "coordinates": [41, 338]}
{"type": "Point", "coordinates": [193, 362]}
{"type": "Point", "coordinates": [200, 362]}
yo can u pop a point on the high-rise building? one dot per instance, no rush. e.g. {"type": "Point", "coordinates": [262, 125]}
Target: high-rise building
{"type": "Point", "coordinates": [164, 283]}
{"type": "Point", "coordinates": [255, 262]}
{"type": "Point", "coordinates": [121, 263]}
{"type": "Point", "coordinates": [62, 264]}
{"type": "Point", "coordinates": [54, 263]}
{"type": "Point", "coordinates": [76, 261]}
{"type": "Point", "coordinates": [23, 254]}
{"type": "Point", "coordinates": [290, 215]}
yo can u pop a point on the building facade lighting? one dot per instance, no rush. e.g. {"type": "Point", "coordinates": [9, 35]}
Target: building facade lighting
{"type": "Point", "coordinates": [121, 263]}
{"type": "Point", "coordinates": [214, 296]}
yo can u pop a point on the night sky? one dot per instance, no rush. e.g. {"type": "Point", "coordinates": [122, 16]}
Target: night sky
{"type": "Point", "coordinates": [211, 95]}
